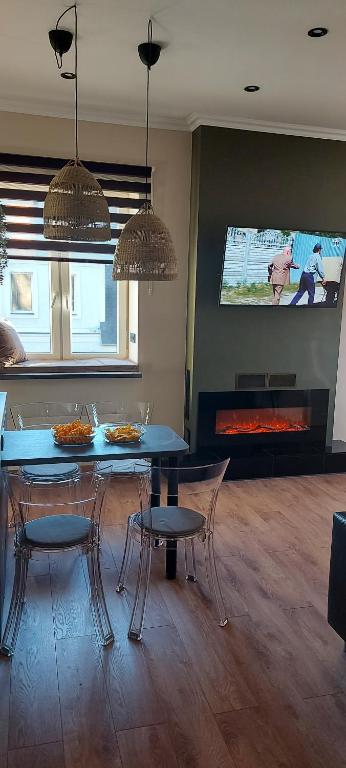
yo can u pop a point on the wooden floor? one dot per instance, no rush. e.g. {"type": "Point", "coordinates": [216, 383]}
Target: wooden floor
{"type": "Point", "coordinates": [267, 691]}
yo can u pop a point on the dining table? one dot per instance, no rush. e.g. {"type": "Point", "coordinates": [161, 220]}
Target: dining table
{"type": "Point", "coordinates": [158, 442]}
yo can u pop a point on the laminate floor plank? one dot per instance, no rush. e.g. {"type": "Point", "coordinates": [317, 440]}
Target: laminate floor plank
{"type": "Point", "coordinates": [195, 735]}
{"type": "Point", "coordinates": [323, 718]}
{"type": "Point", "coordinates": [267, 738]}
{"type": "Point", "coordinates": [88, 730]}
{"type": "Point", "coordinates": [5, 682]}
{"type": "Point", "coordinates": [321, 638]}
{"type": "Point", "coordinates": [71, 606]}
{"type": "Point", "coordinates": [221, 681]}
{"type": "Point", "coordinates": [34, 696]}
{"type": "Point", "coordinates": [147, 747]}
{"type": "Point", "coordinates": [43, 756]}
{"type": "Point", "coordinates": [294, 663]}
{"type": "Point", "coordinates": [135, 699]}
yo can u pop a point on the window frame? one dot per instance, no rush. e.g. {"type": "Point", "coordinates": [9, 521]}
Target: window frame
{"type": "Point", "coordinates": [60, 300]}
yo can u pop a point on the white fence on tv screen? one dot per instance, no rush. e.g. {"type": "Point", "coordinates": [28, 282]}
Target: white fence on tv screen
{"type": "Point", "coordinates": [248, 254]}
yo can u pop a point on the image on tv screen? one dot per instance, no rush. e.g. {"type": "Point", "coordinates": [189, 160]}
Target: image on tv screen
{"type": "Point", "coordinates": [280, 267]}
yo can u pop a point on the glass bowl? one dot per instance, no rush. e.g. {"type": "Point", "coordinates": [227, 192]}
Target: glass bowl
{"type": "Point", "coordinates": [73, 441]}
{"type": "Point", "coordinates": [122, 428]}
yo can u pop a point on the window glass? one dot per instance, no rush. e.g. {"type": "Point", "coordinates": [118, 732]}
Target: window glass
{"type": "Point", "coordinates": [25, 301]}
{"type": "Point", "coordinates": [21, 291]}
{"type": "Point", "coordinates": [94, 309]}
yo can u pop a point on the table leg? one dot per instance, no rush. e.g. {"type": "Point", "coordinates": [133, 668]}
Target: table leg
{"type": "Point", "coordinates": [172, 501]}
{"type": "Point", "coordinates": [156, 482]}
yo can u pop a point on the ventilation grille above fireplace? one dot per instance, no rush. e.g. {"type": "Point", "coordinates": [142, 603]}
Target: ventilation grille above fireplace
{"type": "Point", "coordinates": [276, 380]}
{"type": "Point", "coordinates": [264, 380]}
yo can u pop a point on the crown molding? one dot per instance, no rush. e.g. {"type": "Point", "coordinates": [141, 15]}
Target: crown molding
{"type": "Point", "coordinates": [190, 123]}
{"type": "Point", "coordinates": [92, 115]}
{"type": "Point", "coordinates": [247, 124]}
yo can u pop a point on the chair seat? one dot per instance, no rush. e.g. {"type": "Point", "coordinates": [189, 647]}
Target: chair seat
{"type": "Point", "coordinates": [57, 531]}
{"type": "Point", "coordinates": [46, 473]}
{"type": "Point", "coordinates": [171, 522]}
{"type": "Point", "coordinates": [125, 467]}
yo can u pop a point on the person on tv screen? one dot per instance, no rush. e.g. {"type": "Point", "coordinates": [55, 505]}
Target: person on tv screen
{"type": "Point", "coordinates": [313, 271]}
{"type": "Point", "coordinates": [279, 273]}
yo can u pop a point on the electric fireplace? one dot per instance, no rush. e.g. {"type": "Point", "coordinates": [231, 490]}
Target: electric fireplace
{"type": "Point", "coordinates": [263, 418]}
{"type": "Point", "coordinates": [256, 421]}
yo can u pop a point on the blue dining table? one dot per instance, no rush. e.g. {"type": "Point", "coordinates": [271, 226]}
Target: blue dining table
{"type": "Point", "coordinates": [36, 446]}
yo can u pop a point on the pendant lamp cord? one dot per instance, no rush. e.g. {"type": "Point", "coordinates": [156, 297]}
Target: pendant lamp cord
{"type": "Point", "coordinates": [59, 63]}
{"type": "Point", "coordinates": [76, 82]}
{"type": "Point", "coordinates": [150, 39]}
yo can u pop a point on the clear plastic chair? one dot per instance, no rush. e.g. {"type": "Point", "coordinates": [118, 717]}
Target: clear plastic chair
{"type": "Point", "coordinates": [117, 413]}
{"type": "Point", "coordinates": [44, 416]}
{"type": "Point", "coordinates": [112, 412]}
{"type": "Point", "coordinates": [191, 520]}
{"type": "Point", "coordinates": [69, 519]}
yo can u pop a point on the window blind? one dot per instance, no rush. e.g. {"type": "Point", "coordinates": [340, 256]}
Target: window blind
{"type": "Point", "coordinates": [24, 182]}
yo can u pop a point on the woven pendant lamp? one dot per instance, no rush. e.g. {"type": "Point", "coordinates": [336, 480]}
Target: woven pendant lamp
{"type": "Point", "coordinates": [145, 248]}
{"type": "Point", "coordinates": [75, 207]}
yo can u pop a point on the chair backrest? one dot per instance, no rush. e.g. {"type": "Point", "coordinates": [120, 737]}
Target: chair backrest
{"type": "Point", "coordinates": [117, 412]}
{"type": "Point", "coordinates": [83, 495]}
{"type": "Point", "coordinates": [44, 415]}
{"type": "Point", "coordinates": [197, 488]}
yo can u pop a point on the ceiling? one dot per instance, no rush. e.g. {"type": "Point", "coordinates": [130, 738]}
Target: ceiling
{"type": "Point", "coordinates": [212, 49]}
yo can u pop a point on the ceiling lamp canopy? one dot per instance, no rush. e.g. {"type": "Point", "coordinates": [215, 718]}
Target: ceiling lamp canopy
{"type": "Point", "coordinates": [145, 250]}
{"type": "Point", "coordinates": [75, 207]}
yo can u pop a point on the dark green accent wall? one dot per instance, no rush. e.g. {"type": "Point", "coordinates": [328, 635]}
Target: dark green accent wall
{"type": "Point", "coordinates": [246, 178]}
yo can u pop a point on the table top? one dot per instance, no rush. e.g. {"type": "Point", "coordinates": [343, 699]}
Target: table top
{"type": "Point", "coordinates": [36, 446]}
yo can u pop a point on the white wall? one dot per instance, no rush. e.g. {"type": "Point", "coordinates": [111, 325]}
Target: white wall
{"type": "Point", "coordinates": [162, 315]}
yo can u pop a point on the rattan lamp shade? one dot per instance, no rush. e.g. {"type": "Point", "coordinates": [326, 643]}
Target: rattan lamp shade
{"type": "Point", "coordinates": [75, 207]}
{"type": "Point", "coordinates": [145, 249]}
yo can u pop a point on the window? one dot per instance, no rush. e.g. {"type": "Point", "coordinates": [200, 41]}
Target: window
{"type": "Point", "coordinates": [63, 310]}
{"type": "Point", "coordinates": [60, 296]}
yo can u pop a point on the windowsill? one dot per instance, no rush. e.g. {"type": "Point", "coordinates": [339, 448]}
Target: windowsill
{"type": "Point", "coordinates": [65, 369]}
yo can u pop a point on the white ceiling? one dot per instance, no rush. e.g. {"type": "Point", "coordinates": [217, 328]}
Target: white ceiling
{"type": "Point", "coordinates": [213, 48]}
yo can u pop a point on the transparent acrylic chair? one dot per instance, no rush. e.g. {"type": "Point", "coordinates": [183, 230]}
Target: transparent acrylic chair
{"type": "Point", "coordinates": [70, 519]}
{"type": "Point", "coordinates": [190, 521]}
{"type": "Point", "coordinates": [116, 413]}
{"type": "Point", "coordinates": [44, 416]}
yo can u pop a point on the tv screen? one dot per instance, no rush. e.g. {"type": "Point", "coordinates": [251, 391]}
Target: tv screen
{"type": "Point", "coordinates": [281, 267]}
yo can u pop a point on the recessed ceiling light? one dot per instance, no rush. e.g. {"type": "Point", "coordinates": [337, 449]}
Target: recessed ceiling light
{"type": "Point", "coordinates": [318, 32]}
{"type": "Point", "coordinates": [251, 88]}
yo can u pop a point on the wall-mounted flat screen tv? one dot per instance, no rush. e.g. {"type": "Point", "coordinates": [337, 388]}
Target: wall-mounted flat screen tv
{"type": "Point", "coordinates": [281, 267]}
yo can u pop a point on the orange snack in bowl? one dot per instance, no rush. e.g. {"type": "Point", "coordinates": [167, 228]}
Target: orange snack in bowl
{"type": "Point", "coordinates": [124, 434]}
{"type": "Point", "coordinates": [73, 433]}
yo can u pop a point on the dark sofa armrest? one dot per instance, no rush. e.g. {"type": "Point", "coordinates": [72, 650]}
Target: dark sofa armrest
{"type": "Point", "coordinates": [337, 576]}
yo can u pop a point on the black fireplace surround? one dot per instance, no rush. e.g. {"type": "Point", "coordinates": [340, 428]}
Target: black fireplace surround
{"type": "Point", "coordinates": [266, 433]}
{"type": "Point", "coordinates": [268, 419]}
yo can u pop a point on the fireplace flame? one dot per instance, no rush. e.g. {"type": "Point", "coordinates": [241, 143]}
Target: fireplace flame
{"type": "Point", "coordinates": [251, 421]}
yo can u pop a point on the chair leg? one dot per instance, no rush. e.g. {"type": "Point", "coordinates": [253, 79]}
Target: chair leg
{"type": "Point", "coordinates": [190, 560]}
{"type": "Point", "coordinates": [17, 603]}
{"type": "Point", "coordinates": [213, 579]}
{"type": "Point", "coordinates": [98, 602]}
{"type": "Point", "coordinates": [142, 589]}
{"type": "Point", "coordinates": [126, 561]}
